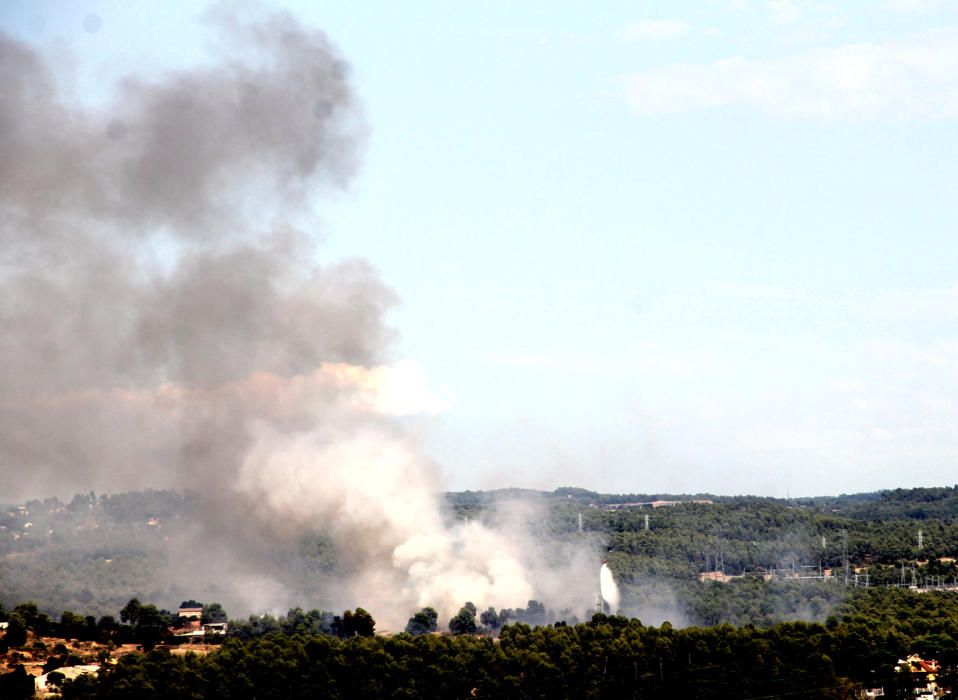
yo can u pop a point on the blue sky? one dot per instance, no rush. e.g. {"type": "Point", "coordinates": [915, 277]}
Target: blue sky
{"type": "Point", "coordinates": [639, 246]}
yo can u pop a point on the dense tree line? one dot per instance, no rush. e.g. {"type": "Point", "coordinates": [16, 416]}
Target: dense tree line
{"type": "Point", "coordinates": [147, 624]}
{"type": "Point", "coordinates": [606, 657]}
{"type": "Point", "coordinates": [301, 653]}
{"type": "Point", "coordinates": [742, 639]}
{"type": "Point", "coordinates": [94, 552]}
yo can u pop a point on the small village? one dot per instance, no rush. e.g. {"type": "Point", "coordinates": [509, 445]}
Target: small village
{"type": "Point", "coordinates": [48, 659]}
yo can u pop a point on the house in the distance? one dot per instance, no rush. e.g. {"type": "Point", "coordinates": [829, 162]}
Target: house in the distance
{"type": "Point", "coordinates": [925, 676]}
{"type": "Point", "coordinates": [191, 611]}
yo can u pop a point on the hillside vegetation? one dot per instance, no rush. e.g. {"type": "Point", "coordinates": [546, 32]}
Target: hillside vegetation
{"type": "Point", "coordinates": [96, 552]}
{"type": "Point", "coordinates": [724, 597]}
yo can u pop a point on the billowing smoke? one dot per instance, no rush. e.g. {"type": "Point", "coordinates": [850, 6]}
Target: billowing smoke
{"type": "Point", "coordinates": [165, 323]}
{"type": "Point", "coordinates": [608, 588]}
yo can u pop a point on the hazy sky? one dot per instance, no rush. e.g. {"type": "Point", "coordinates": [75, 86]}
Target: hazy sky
{"type": "Point", "coordinates": [639, 246]}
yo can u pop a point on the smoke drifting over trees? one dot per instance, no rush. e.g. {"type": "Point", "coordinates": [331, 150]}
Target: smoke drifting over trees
{"type": "Point", "coordinates": [165, 324]}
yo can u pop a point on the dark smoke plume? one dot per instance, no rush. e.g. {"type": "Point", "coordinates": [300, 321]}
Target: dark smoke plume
{"type": "Point", "coordinates": [164, 324]}
{"type": "Point", "coordinates": [134, 258]}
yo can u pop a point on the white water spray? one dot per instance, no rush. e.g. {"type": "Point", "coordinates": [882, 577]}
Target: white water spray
{"type": "Point", "coordinates": [608, 588]}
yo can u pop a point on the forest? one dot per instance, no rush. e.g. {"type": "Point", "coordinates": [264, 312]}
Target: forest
{"type": "Point", "coordinates": [607, 656]}
{"type": "Point", "coordinates": [96, 552]}
{"type": "Point", "coordinates": [721, 597]}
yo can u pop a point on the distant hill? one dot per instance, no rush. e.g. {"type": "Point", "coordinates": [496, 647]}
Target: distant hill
{"type": "Point", "coordinates": [96, 552]}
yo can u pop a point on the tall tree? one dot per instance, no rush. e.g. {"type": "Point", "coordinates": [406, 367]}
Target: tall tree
{"type": "Point", "coordinates": [423, 622]}
{"type": "Point", "coordinates": [131, 612]}
{"type": "Point", "coordinates": [465, 620]}
{"type": "Point", "coordinates": [213, 612]}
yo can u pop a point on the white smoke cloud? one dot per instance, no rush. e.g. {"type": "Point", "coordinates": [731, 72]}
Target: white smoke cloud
{"type": "Point", "coordinates": [608, 588]}
{"type": "Point", "coordinates": [231, 363]}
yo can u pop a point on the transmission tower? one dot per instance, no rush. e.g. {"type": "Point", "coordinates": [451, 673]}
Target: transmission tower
{"type": "Point", "coordinates": [845, 554]}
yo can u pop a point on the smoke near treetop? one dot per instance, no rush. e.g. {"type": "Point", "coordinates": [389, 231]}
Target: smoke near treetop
{"type": "Point", "coordinates": [166, 324]}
